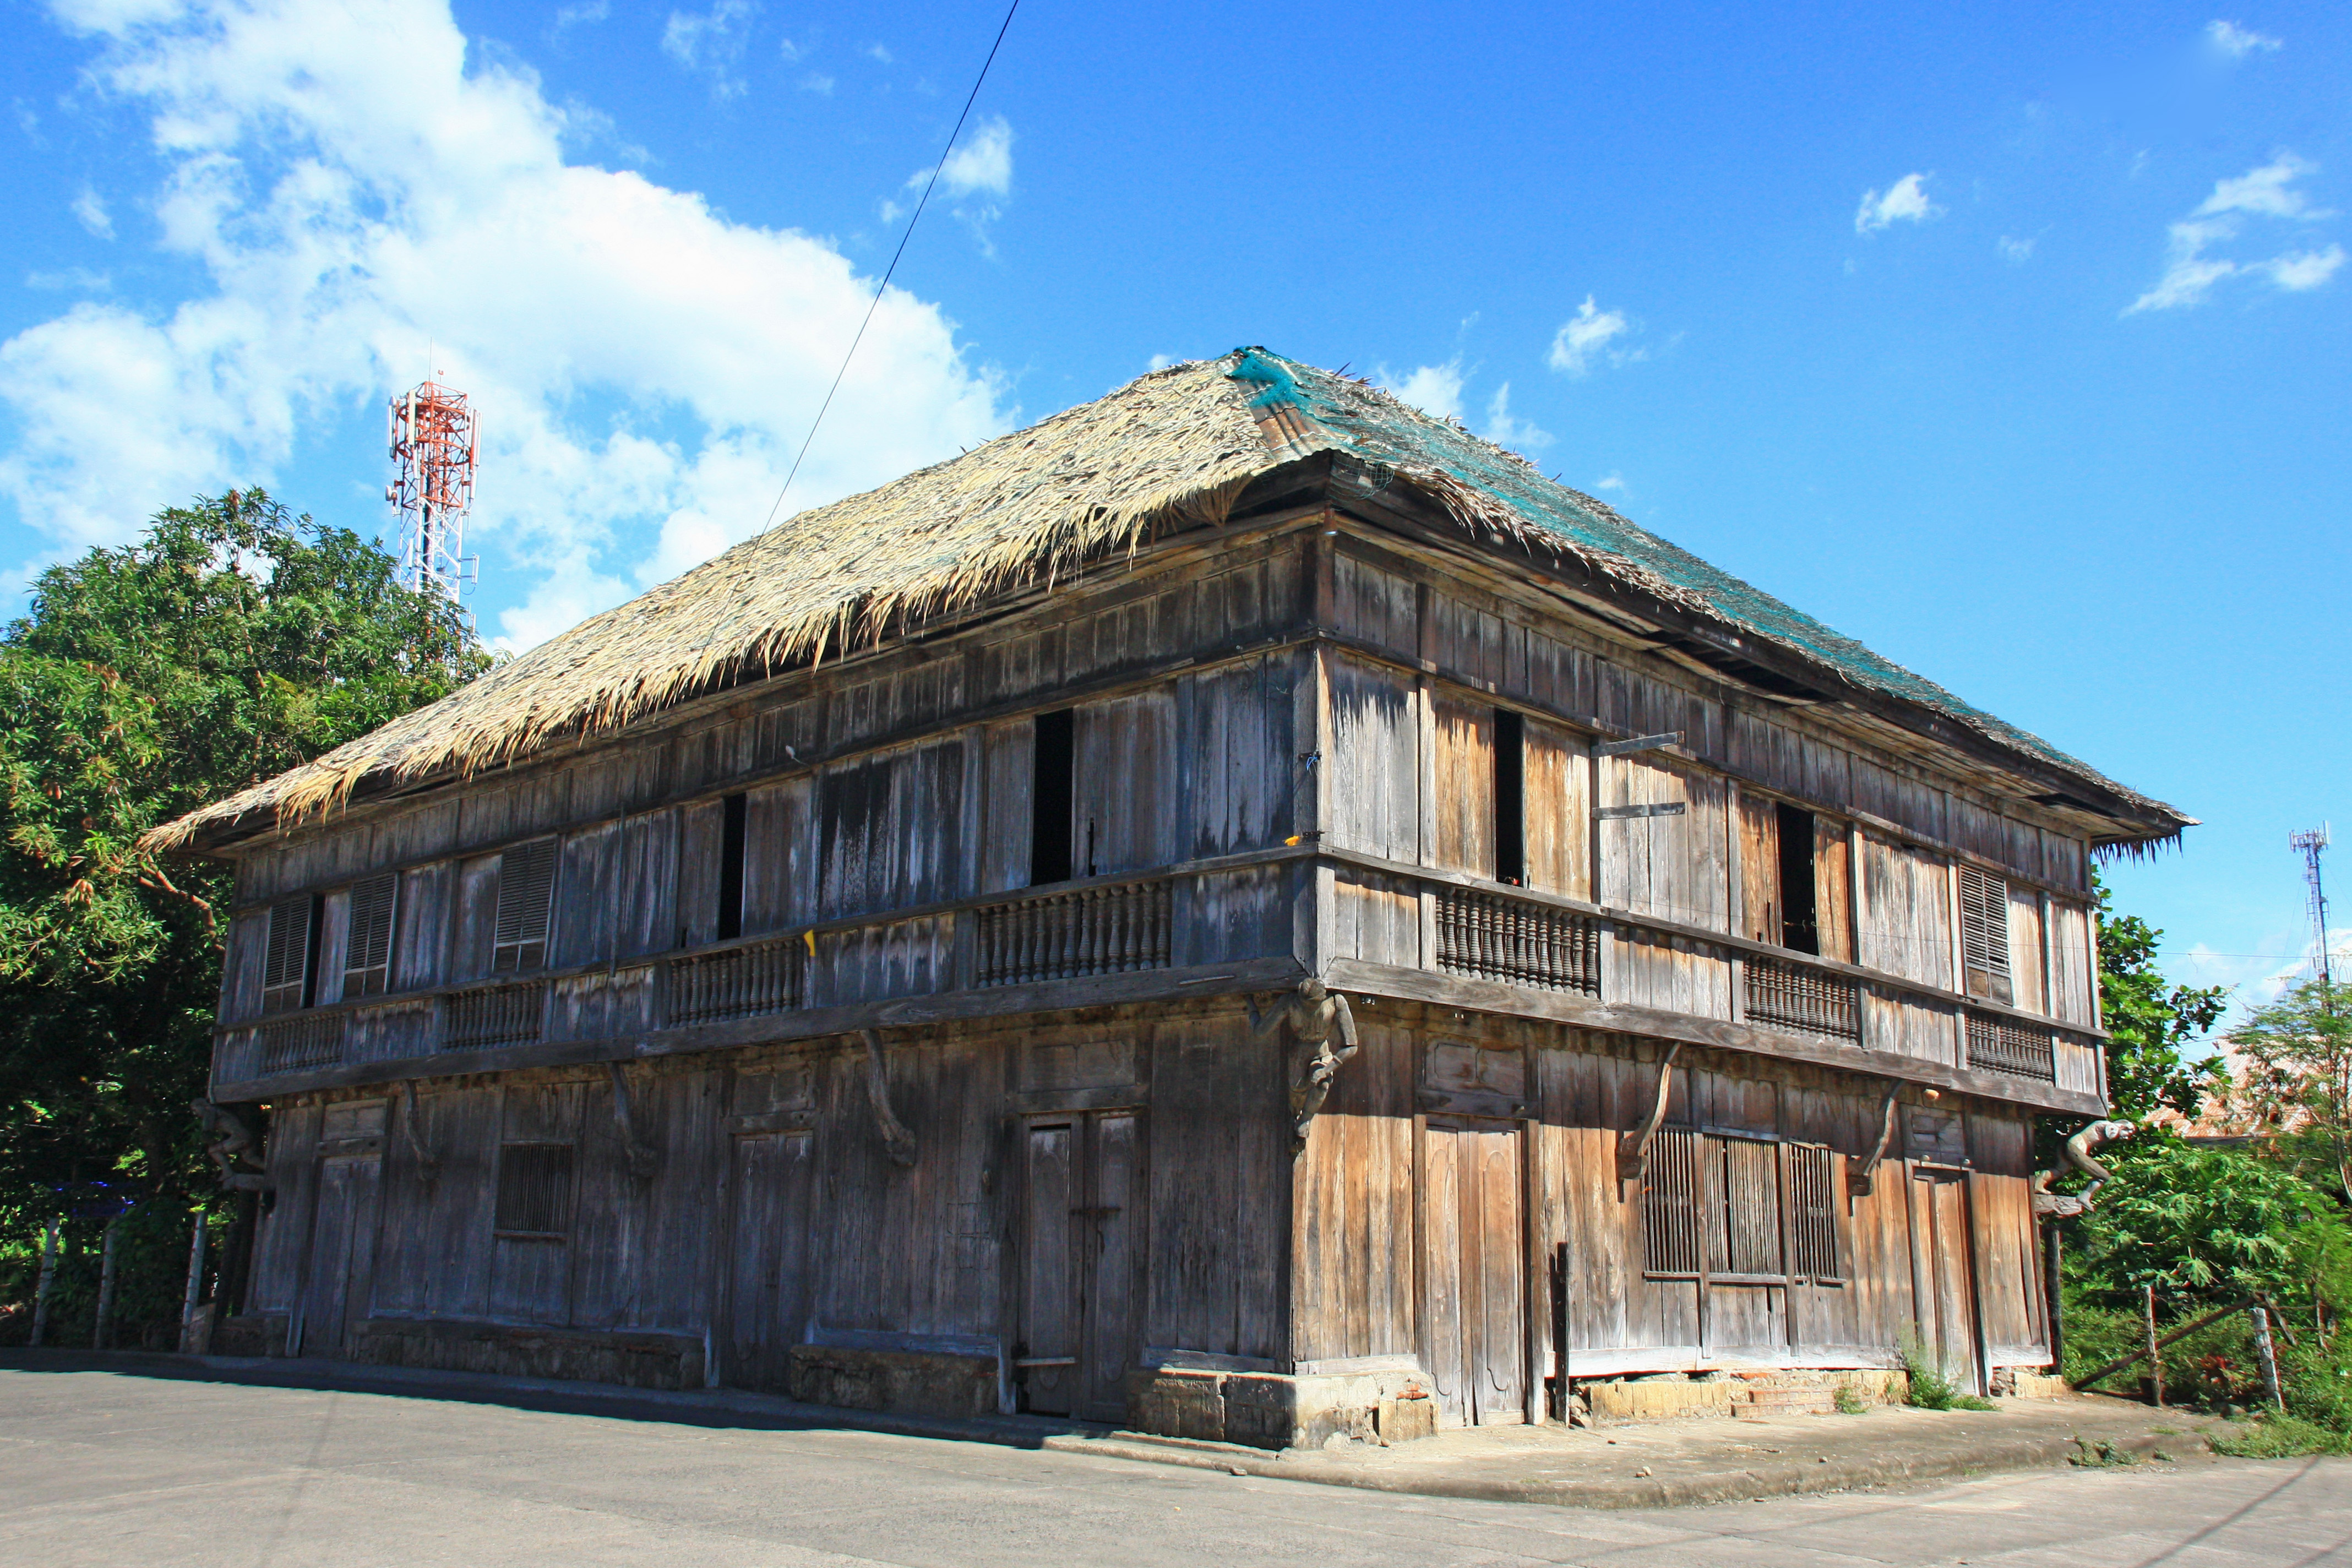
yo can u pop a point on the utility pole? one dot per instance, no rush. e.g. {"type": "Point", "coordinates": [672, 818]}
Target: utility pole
{"type": "Point", "coordinates": [435, 438]}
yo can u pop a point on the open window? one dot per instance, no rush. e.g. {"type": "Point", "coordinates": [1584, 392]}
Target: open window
{"type": "Point", "coordinates": [1984, 934]}
{"type": "Point", "coordinates": [1511, 797]}
{"type": "Point", "coordinates": [534, 1198]}
{"type": "Point", "coordinates": [289, 967]}
{"type": "Point", "coordinates": [526, 899]}
{"type": "Point", "coordinates": [735, 813]}
{"type": "Point", "coordinates": [1052, 796]}
{"type": "Point", "coordinates": [1792, 870]}
{"type": "Point", "coordinates": [367, 948]}
{"type": "Point", "coordinates": [1716, 1204]}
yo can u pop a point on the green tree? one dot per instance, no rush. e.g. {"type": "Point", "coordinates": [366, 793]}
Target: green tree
{"type": "Point", "coordinates": [233, 641]}
{"type": "Point", "coordinates": [2201, 1224]}
{"type": "Point", "coordinates": [2150, 1020]}
{"type": "Point", "coordinates": [2296, 1079]}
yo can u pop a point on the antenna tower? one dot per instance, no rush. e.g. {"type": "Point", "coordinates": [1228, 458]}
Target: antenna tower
{"type": "Point", "coordinates": [434, 437]}
{"type": "Point", "coordinates": [2309, 845]}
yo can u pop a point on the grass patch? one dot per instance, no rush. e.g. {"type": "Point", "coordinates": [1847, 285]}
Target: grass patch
{"type": "Point", "coordinates": [1930, 1388]}
{"type": "Point", "coordinates": [1849, 1403]}
{"type": "Point", "coordinates": [1970, 1402]}
{"type": "Point", "coordinates": [2277, 1438]}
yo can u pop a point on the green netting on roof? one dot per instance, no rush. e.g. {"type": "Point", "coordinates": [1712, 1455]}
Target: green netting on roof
{"type": "Point", "coordinates": [1380, 429]}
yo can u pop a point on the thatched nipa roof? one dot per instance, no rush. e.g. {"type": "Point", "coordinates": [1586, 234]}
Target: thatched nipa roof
{"type": "Point", "coordinates": [1171, 450]}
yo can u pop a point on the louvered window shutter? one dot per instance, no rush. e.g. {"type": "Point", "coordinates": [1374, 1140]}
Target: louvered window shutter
{"type": "Point", "coordinates": [1984, 933]}
{"type": "Point", "coordinates": [367, 953]}
{"type": "Point", "coordinates": [526, 892]}
{"type": "Point", "coordinates": [286, 962]}
{"type": "Point", "coordinates": [1751, 1209]}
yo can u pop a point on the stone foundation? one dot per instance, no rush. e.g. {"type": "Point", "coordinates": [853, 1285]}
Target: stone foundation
{"type": "Point", "coordinates": [1281, 1410]}
{"type": "Point", "coordinates": [633, 1360]}
{"type": "Point", "coordinates": [1668, 1396]}
{"type": "Point", "coordinates": [904, 1382]}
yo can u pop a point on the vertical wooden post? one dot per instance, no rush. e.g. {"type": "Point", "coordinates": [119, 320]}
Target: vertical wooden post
{"type": "Point", "coordinates": [49, 1280]}
{"type": "Point", "coordinates": [2269, 1357]}
{"type": "Point", "coordinates": [195, 1280]}
{"type": "Point", "coordinates": [2155, 1356]}
{"type": "Point", "coordinates": [103, 1333]}
{"type": "Point", "coordinates": [2053, 1258]}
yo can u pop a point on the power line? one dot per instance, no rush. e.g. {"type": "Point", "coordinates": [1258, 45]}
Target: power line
{"type": "Point", "coordinates": [883, 287]}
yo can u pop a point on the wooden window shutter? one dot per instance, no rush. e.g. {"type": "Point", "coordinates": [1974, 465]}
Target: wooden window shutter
{"type": "Point", "coordinates": [1984, 933]}
{"type": "Point", "coordinates": [1812, 1212]}
{"type": "Point", "coordinates": [286, 965]}
{"type": "Point", "coordinates": [1672, 1203]}
{"type": "Point", "coordinates": [526, 894]}
{"type": "Point", "coordinates": [367, 952]}
{"type": "Point", "coordinates": [1750, 1230]}
{"type": "Point", "coordinates": [534, 1189]}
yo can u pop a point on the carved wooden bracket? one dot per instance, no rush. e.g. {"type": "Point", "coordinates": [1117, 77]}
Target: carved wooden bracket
{"type": "Point", "coordinates": [1860, 1178]}
{"type": "Point", "coordinates": [2048, 1204]}
{"type": "Point", "coordinates": [231, 1145]}
{"type": "Point", "coordinates": [1313, 1012]}
{"type": "Point", "coordinates": [645, 1160]}
{"type": "Point", "coordinates": [1633, 1148]}
{"type": "Point", "coordinates": [898, 1140]}
{"type": "Point", "coordinates": [428, 1167]}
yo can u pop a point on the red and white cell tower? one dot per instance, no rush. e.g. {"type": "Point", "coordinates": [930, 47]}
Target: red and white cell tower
{"type": "Point", "coordinates": [433, 438]}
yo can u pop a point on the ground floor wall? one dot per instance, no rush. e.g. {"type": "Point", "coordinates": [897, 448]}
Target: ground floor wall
{"type": "Point", "coordinates": [1108, 1216]}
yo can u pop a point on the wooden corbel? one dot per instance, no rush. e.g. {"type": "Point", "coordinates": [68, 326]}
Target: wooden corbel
{"type": "Point", "coordinates": [1313, 1012]}
{"type": "Point", "coordinates": [898, 1141]}
{"type": "Point", "coordinates": [2048, 1204]}
{"type": "Point", "coordinates": [231, 1147]}
{"type": "Point", "coordinates": [428, 1167]}
{"type": "Point", "coordinates": [1633, 1148]}
{"type": "Point", "coordinates": [1858, 1178]}
{"type": "Point", "coordinates": [645, 1160]}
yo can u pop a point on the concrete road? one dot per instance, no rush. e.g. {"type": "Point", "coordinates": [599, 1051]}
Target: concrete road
{"type": "Point", "coordinates": [102, 1467]}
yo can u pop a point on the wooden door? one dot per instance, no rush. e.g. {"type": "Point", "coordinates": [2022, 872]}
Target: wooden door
{"type": "Point", "coordinates": [1474, 1282]}
{"type": "Point", "coordinates": [767, 1301]}
{"type": "Point", "coordinates": [1942, 1274]}
{"type": "Point", "coordinates": [1081, 1274]}
{"type": "Point", "coordinates": [340, 1278]}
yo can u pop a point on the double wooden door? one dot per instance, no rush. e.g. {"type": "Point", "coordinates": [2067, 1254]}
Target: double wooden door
{"type": "Point", "coordinates": [768, 1262]}
{"type": "Point", "coordinates": [340, 1272]}
{"type": "Point", "coordinates": [1474, 1272]}
{"type": "Point", "coordinates": [1943, 1279]}
{"type": "Point", "coordinates": [1081, 1277]}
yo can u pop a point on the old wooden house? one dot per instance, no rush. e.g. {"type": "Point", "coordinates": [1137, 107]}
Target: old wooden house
{"type": "Point", "coordinates": [882, 965]}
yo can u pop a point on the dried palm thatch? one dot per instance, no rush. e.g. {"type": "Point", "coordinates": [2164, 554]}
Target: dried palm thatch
{"type": "Point", "coordinates": [1171, 450]}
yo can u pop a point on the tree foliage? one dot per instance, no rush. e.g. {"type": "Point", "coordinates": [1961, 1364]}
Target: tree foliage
{"type": "Point", "coordinates": [2149, 1021]}
{"type": "Point", "coordinates": [2201, 1224]}
{"type": "Point", "coordinates": [234, 641]}
{"type": "Point", "coordinates": [2294, 1079]}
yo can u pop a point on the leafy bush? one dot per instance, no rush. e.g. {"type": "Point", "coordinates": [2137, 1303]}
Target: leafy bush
{"type": "Point", "coordinates": [2279, 1437]}
{"type": "Point", "coordinates": [1850, 1403]}
{"type": "Point", "coordinates": [1930, 1388]}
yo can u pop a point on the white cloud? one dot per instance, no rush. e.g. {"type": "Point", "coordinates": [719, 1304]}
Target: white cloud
{"type": "Point", "coordinates": [880, 53]}
{"type": "Point", "coordinates": [817, 83]}
{"type": "Point", "coordinates": [1435, 389]}
{"type": "Point", "coordinates": [569, 17]}
{"type": "Point", "coordinates": [1613, 482]}
{"type": "Point", "coordinates": [712, 43]}
{"type": "Point", "coordinates": [349, 187]}
{"type": "Point", "coordinates": [89, 211]}
{"type": "Point", "coordinates": [79, 279]}
{"type": "Point", "coordinates": [2016, 251]}
{"type": "Point", "coordinates": [1584, 338]}
{"type": "Point", "coordinates": [1904, 201]}
{"type": "Point", "coordinates": [2268, 192]}
{"type": "Point", "coordinates": [1506, 429]}
{"type": "Point", "coordinates": [2233, 42]}
{"type": "Point", "coordinates": [1161, 362]}
{"type": "Point", "coordinates": [985, 163]}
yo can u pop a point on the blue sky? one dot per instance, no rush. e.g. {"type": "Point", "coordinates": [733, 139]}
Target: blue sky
{"type": "Point", "coordinates": [2010, 340]}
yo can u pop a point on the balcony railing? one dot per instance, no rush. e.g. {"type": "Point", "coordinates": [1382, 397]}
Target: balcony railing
{"type": "Point", "coordinates": [1791, 997]}
{"type": "Point", "coordinates": [1999, 1045]}
{"type": "Point", "coordinates": [1067, 936]}
{"type": "Point", "coordinates": [1496, 937]}
{"type": "Point", "coordinates": [742, 984]}
{"type": "Point", "coordinates": [495, 1016]}
{"type": "Point", "coordinates": [306, 1040]}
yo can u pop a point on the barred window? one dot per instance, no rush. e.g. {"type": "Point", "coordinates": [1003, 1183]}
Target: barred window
{"type": "Point", "coordinates": [526, 894]}
{"type": "Point", "coordinates": [534, 1189]}
{"type": "Point", "coordinates": [1747, 1233]}
{"type": "Point", "coordinates": [1813, 1211]}
{"type": "Point", "coordinates": [285, 976]}
{"type": "Point", "coordinates": [367, 951]}
{"type": "Point", "coordinates": [1672, 1205]}
{"type": "Point", "coordinates": [1984, 933]}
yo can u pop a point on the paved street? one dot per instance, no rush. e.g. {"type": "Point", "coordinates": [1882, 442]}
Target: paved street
{"type": "Point", "coordinates": [99, 1468]}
